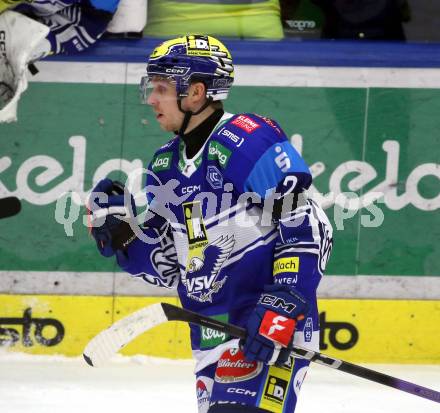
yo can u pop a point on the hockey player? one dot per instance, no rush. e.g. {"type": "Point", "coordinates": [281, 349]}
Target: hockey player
{"type": "Point", "coordinates": [229, 225]}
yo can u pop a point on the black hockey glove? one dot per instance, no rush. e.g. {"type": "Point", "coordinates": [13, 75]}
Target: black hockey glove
{"type": "Point", "coordinates": [111, 219]}
{"type": "Point", "coordinates": [271, 325]}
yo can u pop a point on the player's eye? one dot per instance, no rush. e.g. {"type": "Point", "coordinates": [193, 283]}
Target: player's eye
{"type": "Point", "coordinates": [161, 89]}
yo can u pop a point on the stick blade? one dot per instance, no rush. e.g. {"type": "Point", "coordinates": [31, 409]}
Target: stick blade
{"type": "Point", "coordinates": [108, 342]}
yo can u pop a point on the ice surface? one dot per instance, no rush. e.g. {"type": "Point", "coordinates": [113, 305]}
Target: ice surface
{"type": "Point", "coordinates": [40, 384]}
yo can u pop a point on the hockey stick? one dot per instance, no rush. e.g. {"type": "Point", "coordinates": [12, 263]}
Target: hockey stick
{"type": "Point", "coordinates": [9, 206]}
{"type": "Point", "coordinates": [111, 340]}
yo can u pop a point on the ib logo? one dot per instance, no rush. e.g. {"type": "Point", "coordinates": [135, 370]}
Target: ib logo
{"type": "Point", "coordinates": [275, 389]}
{"type": "Point", "coordinates": [214, 177]}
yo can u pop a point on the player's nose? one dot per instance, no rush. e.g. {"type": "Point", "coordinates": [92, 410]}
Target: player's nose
{"type": "Point", "coordinates": [151, 99]}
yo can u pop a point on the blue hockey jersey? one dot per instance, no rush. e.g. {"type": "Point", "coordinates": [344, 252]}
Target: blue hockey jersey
{"type": "Point", "coordinates": [212, 234]}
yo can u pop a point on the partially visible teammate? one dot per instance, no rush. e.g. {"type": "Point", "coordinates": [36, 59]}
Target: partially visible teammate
{"type": "Point", "coordinates": [74, 24]}
{"type": "Point", "coordinates": [32, 29]}
{"type": "Point", "coordinates": [234, 228]}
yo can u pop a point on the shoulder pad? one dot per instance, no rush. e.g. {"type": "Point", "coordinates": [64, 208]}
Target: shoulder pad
{"type": "Point", "coordinates": [251, 123]}
{"type": "Point", "coordinates": [250, 133]}
{"type": "Point", "coordinates": [170, 144]}
{"type": "Point", "coordinates": [258, 153]}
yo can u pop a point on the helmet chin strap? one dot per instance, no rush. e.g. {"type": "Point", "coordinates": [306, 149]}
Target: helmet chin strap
{"type": "Point", "coordinates": [189, 113]}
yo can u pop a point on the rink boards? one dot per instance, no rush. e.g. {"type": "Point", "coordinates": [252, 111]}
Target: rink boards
{"type": "Point", "coordinates": [373, 331]}
{"type": "Point", "coordinates": [367, 133]}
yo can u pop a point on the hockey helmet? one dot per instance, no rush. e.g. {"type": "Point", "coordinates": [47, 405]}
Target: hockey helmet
{"type": "Point", "coordinates": [191, 58]}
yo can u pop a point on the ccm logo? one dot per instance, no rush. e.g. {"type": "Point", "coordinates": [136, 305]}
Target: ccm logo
{"type": "Point", "coordinates": [244, 392]}
{"type": "Point", "coordinates": [177, 70]}
{"type": "Point", "coordinates": [277, 302]}
{"type": "Point", "coordinates": [190, 189]}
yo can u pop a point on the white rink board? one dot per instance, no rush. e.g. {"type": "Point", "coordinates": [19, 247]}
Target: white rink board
{"type": "Point", "coordinates": [42, 384]}
{"type": "Point", "coordinates": [249, 75]}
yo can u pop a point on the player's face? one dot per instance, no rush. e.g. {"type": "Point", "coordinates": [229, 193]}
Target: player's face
{"type": "Point", "coordinates": [163, 99]}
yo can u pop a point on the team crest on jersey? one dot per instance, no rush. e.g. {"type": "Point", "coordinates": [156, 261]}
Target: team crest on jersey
{"type": "Point", "coordinates": [214, 177]}
{"type": "Point", "coordinates": [205, 259]}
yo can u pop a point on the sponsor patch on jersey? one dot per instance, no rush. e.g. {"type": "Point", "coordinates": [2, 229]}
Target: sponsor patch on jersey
{"type": "Point", "coordinates": [202, 392]}
{"type": "Point", "coordinates": [210, 337]}
{"type": "Point", "coordinates": [276, 389]}
{"type": "Point", "coordinates": [289, 280]}
{"type": "Point", "coordinates": [245, 123]}
{"type": "Point", "coordinates": [218, 152]}
{"type": "Point", "coordinates": [233, 368]}
{"type": "Point", "coordinates": [238, 140]}
{"type": "Point", "coordinates": [282, 265]}
{"type": "Point", "coordinates": [195, 227]}
{"type": "Point", "coordinates": [162, 162]}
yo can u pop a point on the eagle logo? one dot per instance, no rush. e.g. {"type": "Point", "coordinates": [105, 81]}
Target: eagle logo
{"type": "Point", "coordinates": [201, 277]}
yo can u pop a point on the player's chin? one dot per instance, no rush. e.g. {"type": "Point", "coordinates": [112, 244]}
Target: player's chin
{"type": "Point", "coordinates": [165, 126]}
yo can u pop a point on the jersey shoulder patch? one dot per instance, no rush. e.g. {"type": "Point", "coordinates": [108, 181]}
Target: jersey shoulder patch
{"type": "Point", "coordinates": [249, 133]}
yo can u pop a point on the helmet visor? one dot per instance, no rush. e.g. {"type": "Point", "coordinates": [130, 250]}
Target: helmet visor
{"type": "Point", "coordinates": [147, 85]}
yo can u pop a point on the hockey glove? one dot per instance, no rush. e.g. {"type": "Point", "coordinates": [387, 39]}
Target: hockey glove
{"type": "Point", "coordinates": [272, 324]}
{"type": "Point", "coordinates": [110, 219]}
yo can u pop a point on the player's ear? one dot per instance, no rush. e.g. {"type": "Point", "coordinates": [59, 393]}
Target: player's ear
{"type": "Point", "coordinates": [197, 92]}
